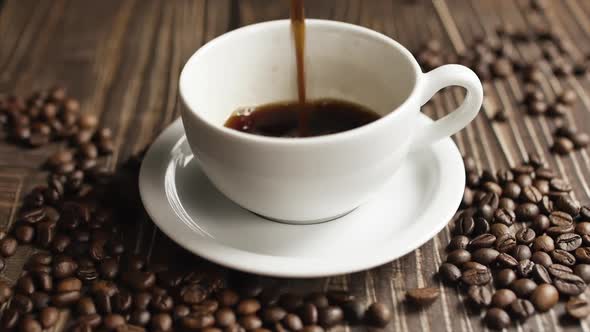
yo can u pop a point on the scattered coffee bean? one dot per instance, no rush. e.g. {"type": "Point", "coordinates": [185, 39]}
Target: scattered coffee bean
{"type": "Point", "coordinates": [378, 315]}
{"type": "Point", "coordinates": [423, 296]}
{"type": "Point", "coordinates": [578, 308]}
{"type": "Point", "coordinates": [497, 318]}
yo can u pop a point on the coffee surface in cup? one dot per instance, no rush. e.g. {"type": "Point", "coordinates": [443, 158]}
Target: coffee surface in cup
{"type": "Point", "coordinates": [324, 117]}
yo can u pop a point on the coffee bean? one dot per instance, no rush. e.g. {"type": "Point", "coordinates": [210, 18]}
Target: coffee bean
{"type": "Point", "coordinates": [141, 317]}
{"type": "Point", "coordinates": [505, 277]}
{"type": "Point", "coordinates": [563, 257]}
{"type": "Point", "coordinates": [22, 304]}
{"type": "Point", "coordinates": [546, 207]}
{"type": "Point", "coordinates": [502, 298]}
{"type": "Point", "coordinates": [511, 190]}
{"type": "Point", "coordinates": [544, 243]}
{"type": "Point", "coordinates": [558, 230]}
{"type": "Point", "coordinates": [30, 325]}
{"type": "Point", "coordinates": [482, 241]}
{"type": "Point", "coordinates": [527, 211]}
{"type": "Point", "coordinates": [330, 316]}
{"type": "Point", "coordinates": [485, 256]}
{"type": "Point", "coordinates": [354, 311]}
{"type": "Point", "coordinates": [9, 319]}
{"type": "Point", "coordinates": [8, 246]}
{"type": "Point", "coordinates": [248, 307]}
{"type": "Point", "coordinates": [522, 309]}
{"type": "Point", "coordinates": [85, 306]}
{"type": "Point", "coordinates": [523, 287]}
{"type": "Point", "coordinates": [505, 243]}
{"type": "Point", "coordinates": [228, 298]}
{"type": "Point", "coordinates": [541, 274]}
{"type": "Point", "coordinates": [422, 296]}
{"type": "Point", "coordinates": [292, 322]}
{"type": "Point", "coordinates": [583, 271]}
{"type": "Point", "coordinates": [569, 284]}
{"type": "Point", "coordinates": [225, 317]}
{"type": "Point", "coordinates": [40, 300]}
{"type": "Point", "coordinates": [458, 257]}
{"type": "Point", "coordinates": [33, 215]}
{"type": "Point", "coordinates": [48, 317]}
{"type": "Point", "coordinates": [568, 205]}
{"type": "Point", "coordinates": [531, 194]}
{"type": "Point", "coordinates": [525, 236]}
{"type": "Point", "coordinates": [578, 308]}
{"type": "Point", "coordinates": [44, 281]}
{"type": "Point", "coordinates": [25, 285]}
{"type": "Point", "coordinates": [497, 318]}
{"type": "Point", "coordinates": [89, 321]}
{"type": "Point", "coordinates": [112, 321]}
{"type": "Point", "coordinates": [503, 216]}
{"type": "Point", "coordinates": [458, 242]}
{"type": "Point", "coordinates": [476, 277]}
{"type": "Point", "coordinates": [524, 180]}
{"type": "Point", "coordinates": [378, 315]}
{"type": "Point", "coordinates": [559, 218]}
{"type": "Point", "coordinates": [249, 322]}
{"type": "Point", "coordinates": [139, 280]}
{"type": "Point", "coordinates": [309, 314]}
{"type": "Point", "coordinates": [525, 267]}
{"type": "Point", "coordinates": [464, 225]}
{"type": "Point", "coordinates": [505, 260]}
{"type": "Point", "coordinates": [69, 284]}
{"type": "Point", "coordinates": [64, 267]}
{"type": "Point", "coordinates": [64, 299]}
{"type": "Point", "coordinates": [560, 185]}
{"type": "Point", "coordinates": [499, 229]}
{"type": "Point", "coordinates": [479, 296]}
{"type": "Point", "coordinates": [505, 203]}
{"type": "Point", "coordinates": [521, 252]}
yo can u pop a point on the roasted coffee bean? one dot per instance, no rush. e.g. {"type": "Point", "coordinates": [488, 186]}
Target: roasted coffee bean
{"type": "Point", "coordinates": [464, 225]}
{"type": "Point", "coordinates": [482, 241]}
{"type": "Point", "coordinates": [422, 296]}
{"type": "Point", "coordinates": [506, 260]}
{"type": "Point", "coordinates": [560, 185]}
{"type": "Point", "coordinates": [140, 317]}
{"type": "Point", "coordinates": [522, 309]}
{"type": "Point", "coordinates": [558, 230]}
{"type": "Point", "coordinates": [479, 296]}
{"type": "Point", "coordinates": [112, 321]}
{"type": "Point", "coordinates": [569, 284]}
{"type": "Point", "coordinates": [499, 229]}
{"type": "Point", "coordinates": [248, 307]}
{"type": "Point", "coordinates": [511, 190]}
{"type": "Point", "coordinates": [521, 252]}
{"type": "Point", "coordinates": [378, 315]}
{"type": "Point", "coordinates": [354, 312]}
{"type": "Point", "coordinates": [524, 180]}
{"type": "Point", "coordinates": [182, 310]}
{"type": "Point", "coordinates": [506, 203]}
{"type": "Point", "coordinates": [583, 228]}
{"type": "Point", "coordinates": [64, 299]}
{"type": "Point", "coordinates": [505, 277]}
{"type": "Point", "coordinates": [531, 194]}
{"type": "Point", "coordinates": [34, 215]}
{"type": "Point", "coordinates": [309, 313]}
{"type": "Point", "coordinates": [502, 298]}
{"type": "Point", "coordinates": [69, 284]}
{"type": "Point", "coordinates": [29, 324]}
{"type": "Point", "coordinates": [503, 216]}
{"type": "Point", "coordinates": [319, 299]}
{"type": "Point", "coordinates": [330, 316]}
{"type": "Point", "coordinates": [525, 267]}
{"type": "Point", "coordinates": [122, 301]}
{"type": "Point", "coordinates": [497, 318]}
{"type": "Point", "coordinates": [578, 308]}
{"type": "Point", "coordinates": [458, 242]}
{"type": "Point", "coordinates": [569, 242]}
{"type": "Point", "coordinates": [293, 322]}
{"type": "Point", "coordinates": [8, 246]}
{"type": "Point", "coordinates": [25, 285]}
{"type": "Point", "coordinates": [525, 236]}
{"type": "Point", "coordinates": [546, 207]}
{"type": "Point", "coordinates": [228, 298]}
{"type": "Point", "coordinates": [486, 211]}
{"type": "Point", "coordinates": [557, 269]}
{"type": "Point", "coordinates": [457, 257]}
{"type": "Point", "coordinates": [563, 257]}
{"type": "Point", "coordinates": [85, 306]}
{"type": "Point", "coordinates": [249, 322]}
{"type": "Point", "coordinates": [476, 277]}
{"type": "Point", "coordinates": [193, 294]}
{"type": "Point", "coordinates": [559, 218]}
{"type": "Point", "coordinates": [583, 271]}
{"type": "Point", "coordinates": [527, 211]}
{"type": "Point", "coordinates": [163, 302]}
{"type": "Point", "coordinates": [225, 317]}
{"type": "Point", "coordinates": [505, 243]}
{"type": "Point", "coordinates": [9, 319]}
{"type": "Point", "coordinates": [541, 275]}
{"type": "Point", "coordinates": [568, 205]}
{"type": "Point", "coordinates": [523, 287]}
{"type": "Point", "coordinates": [142, 300]}
{"type": "Point", "coordinates": [48, 317]}
{"type": "Point", "coordinates": [139, 280]}
{"type": "Point", "coordinates": [44, 281]}
{"type": "Point", "coordinates": [21, 303]}
{"type": "Point", "coordinates": [485, 256]}
{"type": "Point", "coordinates": [64, 267]}
{"type": "Point", "coordinates": [291, 302]}
{"type": "Point", "coordinates": [544, 243]}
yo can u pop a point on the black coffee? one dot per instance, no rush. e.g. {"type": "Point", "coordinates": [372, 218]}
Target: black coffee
{"type": "Point", "coordinates": [324, 117]}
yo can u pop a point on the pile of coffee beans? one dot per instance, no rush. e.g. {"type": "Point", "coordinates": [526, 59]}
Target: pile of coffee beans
{"type": "Point", "coordinates": [566, 139]}
{"type": "Point", "coordinates": [521, 230]}
{"type": "Point", "coordinates": [77, 221]}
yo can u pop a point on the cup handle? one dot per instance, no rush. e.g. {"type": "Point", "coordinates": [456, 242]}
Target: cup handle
{"type": "Point", "coordinates": [442, 77]}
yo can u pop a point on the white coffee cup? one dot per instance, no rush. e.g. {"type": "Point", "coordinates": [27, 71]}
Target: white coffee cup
{"type": "Point", "coordinates": [308, 180]}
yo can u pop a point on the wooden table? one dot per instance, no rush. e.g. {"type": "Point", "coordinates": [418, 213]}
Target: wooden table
{"type": "Point", "coordinates": [122, 59]}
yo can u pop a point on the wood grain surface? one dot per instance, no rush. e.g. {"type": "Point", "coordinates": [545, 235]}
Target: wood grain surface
{"type": "Point", "coordinates": [122, 60]}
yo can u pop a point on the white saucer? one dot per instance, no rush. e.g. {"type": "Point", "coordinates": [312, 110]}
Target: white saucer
{"type": "Point", "coordinates": [417, 203]}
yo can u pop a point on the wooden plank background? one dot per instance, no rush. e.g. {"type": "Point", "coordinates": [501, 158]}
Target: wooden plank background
{"type": "Point", "coordinates": [123, 58]}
